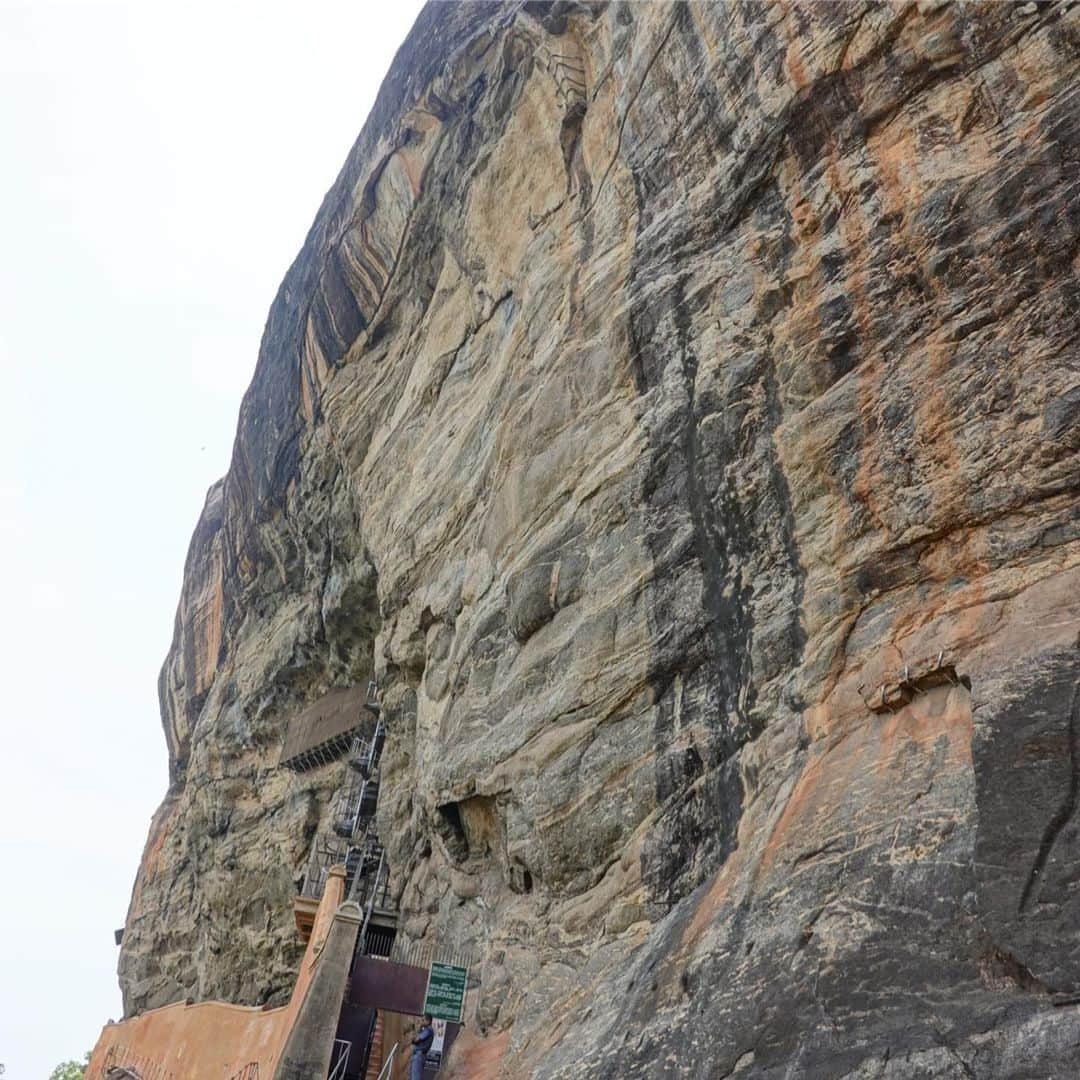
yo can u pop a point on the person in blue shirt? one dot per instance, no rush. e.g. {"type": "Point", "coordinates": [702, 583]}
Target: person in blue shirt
{"type": "Point", "coordinates": [420, 1047]}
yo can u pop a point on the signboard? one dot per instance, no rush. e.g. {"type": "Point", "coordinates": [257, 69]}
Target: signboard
{"type": "Point", "coordinates": [445, 996]}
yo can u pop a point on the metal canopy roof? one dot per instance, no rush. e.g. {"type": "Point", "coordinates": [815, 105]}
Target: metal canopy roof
{"type": "Point", "coordinates": [325, 729]}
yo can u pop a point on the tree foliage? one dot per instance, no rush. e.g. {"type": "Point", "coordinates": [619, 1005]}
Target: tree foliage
{"type": "Point", "coordinates": [70, 1070]}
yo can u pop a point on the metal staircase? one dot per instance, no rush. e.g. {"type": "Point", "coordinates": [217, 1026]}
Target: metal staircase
{"type": "Point", "coordinates": [325, 852]}
{"type": "Point", "coordinates": [355, 806]}
{"type": "Point", "coordinates": [364, 753]}
{"type": "Point", "coordinates": [362, 863]}
{"type": "Point", "coordinates": [355, 842]}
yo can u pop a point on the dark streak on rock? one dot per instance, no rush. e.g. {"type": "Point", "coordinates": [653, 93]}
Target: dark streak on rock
{"type": "Point", "coordinates": [1068, 805]}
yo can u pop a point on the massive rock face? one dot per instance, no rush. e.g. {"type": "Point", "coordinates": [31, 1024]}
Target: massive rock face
{"type": "Point", "coordinates": [664, 398]}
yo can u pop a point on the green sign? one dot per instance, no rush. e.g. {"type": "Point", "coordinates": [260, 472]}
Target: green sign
{"type": "Point", "coordinates": [445, 996]}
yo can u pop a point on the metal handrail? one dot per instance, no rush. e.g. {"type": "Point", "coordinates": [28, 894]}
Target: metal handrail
{"type": "Point", "coordinates": [364, 754]}
{"type": "Point", "coordinates": [359, 753]}
{"type": "Point", "coordinates": [121, 1061]}
{"type": "Point", "coordinates": [362, 856]}
{"type": "Point", "coordinates": [384, 1072]}
{"type": "Point", "coordinates": [378, 737]}
{"type": "Point", "coordinates": [346, 806]}
{"type": "Point", "coordinates": [342, 1050]}
{"type": "Point", "coordinates": [374, 892]}
{"type": "Point", "coordinates": [355, 804]}
{"type": "Point", "coordinates": [325, 852]}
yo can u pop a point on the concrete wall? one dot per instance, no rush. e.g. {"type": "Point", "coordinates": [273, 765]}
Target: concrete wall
{"type": "Point", "coordinates": [309, 1041]}
{"type": "Point", "coordinates": [214, 1040]}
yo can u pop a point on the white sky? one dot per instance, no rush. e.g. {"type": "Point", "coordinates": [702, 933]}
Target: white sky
{"type": "Point", "coordinates": [160, 163]}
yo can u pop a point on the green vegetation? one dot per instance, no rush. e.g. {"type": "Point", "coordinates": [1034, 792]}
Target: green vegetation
{"type": "Point", "coordinates": [70, 1070]}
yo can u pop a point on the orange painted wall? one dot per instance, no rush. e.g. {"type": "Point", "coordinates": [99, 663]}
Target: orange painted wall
{"type": "Point", "coordinates": [214, 1040]}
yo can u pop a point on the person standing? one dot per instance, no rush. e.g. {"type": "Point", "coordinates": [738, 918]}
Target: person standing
{"type": "Point", "coordinates": [421, 1045]}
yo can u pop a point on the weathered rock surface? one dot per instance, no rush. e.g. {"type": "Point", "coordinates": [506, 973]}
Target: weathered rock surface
{"type": "Point", "coordinates": [655, 384]}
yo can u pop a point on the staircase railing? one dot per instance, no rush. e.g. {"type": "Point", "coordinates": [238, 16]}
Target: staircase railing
{"type": "Point", "coordinates": [371, 899]}
{"type": "Point", "coordinates": [121, 1061]}
{"type": "Point", "coordinates": [356, 803]}
{"type": "Point", "coordinates": [362, 861]}
{"type": "Point", "coordinates": [324, 854]}
{"type": "Point", "coordinates": [340, 1059]}
{"type": "Point", "coordinates": [364, 753]}
{"type": "Point", "coordinates": [388, 1064]}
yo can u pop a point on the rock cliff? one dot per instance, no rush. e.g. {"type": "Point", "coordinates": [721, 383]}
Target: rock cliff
{"type": "Point", "coordinates": [678, 407]}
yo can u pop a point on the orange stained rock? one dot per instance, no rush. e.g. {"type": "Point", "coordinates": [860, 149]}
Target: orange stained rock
{"type": "Point", "coordinates": [207, 621]}
{"type": "Point", "coordinates": [793, 59]}
{"type": "Point", "coordinates": [159, 832]}
{"type": "Point", "coordinates": [215, 1038]}
{"type": "Point", "coordinates": [710, 904]}
{"type": "Point", "coordinates": [832, 799]}
{"type": "Point", "coordinates": [476, 1058]}
{"type": "Point", "coordinates": [941, 712]}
